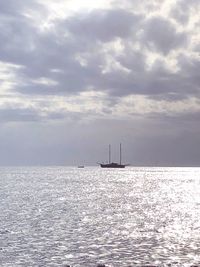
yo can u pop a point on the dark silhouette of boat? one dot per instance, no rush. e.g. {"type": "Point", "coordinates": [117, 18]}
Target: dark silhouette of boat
{"type": "Point", "coordinates": [114, 164]}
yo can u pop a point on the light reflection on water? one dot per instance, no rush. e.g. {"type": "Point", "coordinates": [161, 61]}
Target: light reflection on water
{"type": "Point", "coordinates": [136, 216]}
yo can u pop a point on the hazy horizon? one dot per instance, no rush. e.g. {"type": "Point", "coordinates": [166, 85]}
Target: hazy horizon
{"type": "Point", "coordinates": [76, 76]}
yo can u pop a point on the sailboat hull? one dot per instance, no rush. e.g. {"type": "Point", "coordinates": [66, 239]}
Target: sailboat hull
{"type": "Point", "coordinates": [112, 165]}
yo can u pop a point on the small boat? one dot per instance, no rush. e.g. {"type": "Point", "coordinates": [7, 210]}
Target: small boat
{"type": "Point", "coordinates": [81, 166]}
{"type": "Point", "coordinates": [114, 164]}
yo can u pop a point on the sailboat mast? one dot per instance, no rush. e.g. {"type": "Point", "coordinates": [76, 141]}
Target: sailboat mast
{"type": "Point", "coordinates": [120, 154]}
{"type": "Point", "coordinates": [109, 154]}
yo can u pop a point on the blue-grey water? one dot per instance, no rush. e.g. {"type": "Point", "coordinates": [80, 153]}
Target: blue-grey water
{"type": "Point", "coordinates": [52, 216]}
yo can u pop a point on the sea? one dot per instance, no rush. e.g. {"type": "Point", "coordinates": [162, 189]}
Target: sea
{"type": "Point", "coordinates": [137, 216]}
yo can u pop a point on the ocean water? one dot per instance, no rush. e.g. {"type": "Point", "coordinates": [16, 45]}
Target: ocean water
{"type": "Point", "coordinates": [52, 216]}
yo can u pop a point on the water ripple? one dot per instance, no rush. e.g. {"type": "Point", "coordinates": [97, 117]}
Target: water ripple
{"type": "Point", "coordinates": [137, 216]}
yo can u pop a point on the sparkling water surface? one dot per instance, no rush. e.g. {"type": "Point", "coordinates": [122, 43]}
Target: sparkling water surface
{"type": "Point", "coordinates": [52, 216]}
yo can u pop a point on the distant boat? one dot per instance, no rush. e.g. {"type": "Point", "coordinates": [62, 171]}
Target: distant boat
{"type": "Point", "coordinates": [114, 164]}
{"type": "Point", "coordinates": [81, 166]}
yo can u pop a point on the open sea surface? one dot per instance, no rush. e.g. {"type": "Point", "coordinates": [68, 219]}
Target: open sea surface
{"type": "Point", "coordinates": [52, 216]}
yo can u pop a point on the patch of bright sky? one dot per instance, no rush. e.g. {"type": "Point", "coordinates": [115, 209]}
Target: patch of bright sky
{"type": "Point", "coordinates": [109, 50]}
{"type": "Point", "coordinates": [86, 103]}
{"type": "Point", "coordinates": [141, 105]}
{"type": "Point", "coordinates": [45, 81]}
{"type": "Point", "coordinates": [169, 62]}
{"type": "Point", "coordinates": [112, 65]}
{"type": "Point", "coordinates": [115, 47]}
{"type": "Point", "coordinates": [8, 76]}
{"type": "Point", "coordinates": [165, 8]}
{"type": "Point", "coordinates": [62, 9]}
{"type": "Point", "coordinates": [146, 7]}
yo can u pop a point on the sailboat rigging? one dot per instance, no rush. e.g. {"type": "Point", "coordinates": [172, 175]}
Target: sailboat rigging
{"type": "Point", "coordinates": [114, 164]}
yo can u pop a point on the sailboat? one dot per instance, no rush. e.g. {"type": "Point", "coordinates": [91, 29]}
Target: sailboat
{"type": "Point", "coordinates": [114, 164]}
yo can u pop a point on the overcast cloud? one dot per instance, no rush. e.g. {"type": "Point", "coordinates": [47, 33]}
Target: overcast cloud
{"type": "Point", "coordinates": [76, 76]}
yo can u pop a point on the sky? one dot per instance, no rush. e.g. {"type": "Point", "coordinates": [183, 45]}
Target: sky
{"type": "Point", "coordinates": [78, 75]}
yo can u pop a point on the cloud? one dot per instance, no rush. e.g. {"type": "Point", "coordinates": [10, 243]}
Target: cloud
{"type": "Point", "coordinates": [75, 47]}
{"type": "Point", "coordinates": [178, 12]}
{"type": "Point", "coordinates": [104, 25]}
{"type": "Point", "coordinates": [161, 34]}
{"type": "Point", "coordinates": [124, 69]}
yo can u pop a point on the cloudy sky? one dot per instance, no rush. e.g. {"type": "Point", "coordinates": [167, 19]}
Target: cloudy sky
{"type": "Point", "coordinates": [77, 75]}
